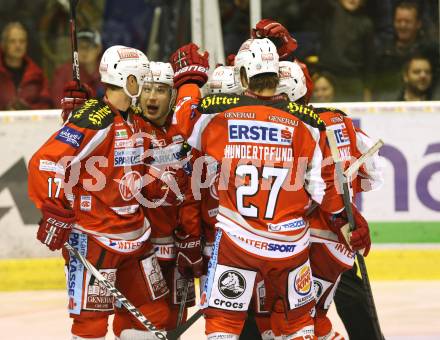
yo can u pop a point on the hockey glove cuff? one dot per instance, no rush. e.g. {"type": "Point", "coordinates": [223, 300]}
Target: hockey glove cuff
{"type": "Point", "coordinates": [189, 255]}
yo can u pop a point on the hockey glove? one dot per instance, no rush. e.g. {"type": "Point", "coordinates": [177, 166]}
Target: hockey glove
{"type": "Point", "coordinates": [74, 95]}
{"type": "Point", "coordinates": [357, 240]}
{"type": "Point", "coordinates": [55, 226]}
{"type": "Point", "coordinates": [189, 255]}
{"type": "Point", "coordinates": [230, 60]}
{"type": "Point", "coordinates": [278, 34]}
{"type": "Point", "coordinates": [190, 66]}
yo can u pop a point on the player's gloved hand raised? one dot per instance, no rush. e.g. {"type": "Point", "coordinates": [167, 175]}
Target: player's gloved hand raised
{"type": "Point", "coordinates": [359, 239]}
{"type": "Point", "coordinates": [230, 60]}
{"type": "Point", "coordinates": [189, 65]}
{"type": "Point", "coordinates": [278, 34]}
{"type": "Point", "coordinates": [55, 225]}
{"type": "Point", "coordinates": [74, 95]}
{"type": "Point", "coordinates": [189, 255]}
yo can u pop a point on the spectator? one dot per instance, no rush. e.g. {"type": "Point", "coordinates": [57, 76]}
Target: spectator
{"type": "Point", "coordinates": [89, 54]}
{"type": "Point", "coordinates": [23, 84]}
{"type": "Point", "coordinates": [347, 49]}
{"type": "Point", "coordinates": [324, 88]}
{"type": "Point", "coordinates": [393, 54]}
{"type": "Point", "coordinates": [235, 24]}
{"type": "Point", "coordinates": [417, 79]}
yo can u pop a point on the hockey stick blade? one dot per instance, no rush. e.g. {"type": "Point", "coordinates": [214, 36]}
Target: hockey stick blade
{"type": "Point", "coordinates": [361, 160]}
{"type": "Point", "coordinates": [117, 294]}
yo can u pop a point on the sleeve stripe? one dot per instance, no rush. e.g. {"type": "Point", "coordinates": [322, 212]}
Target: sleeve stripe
{"type": "Point", "coordinates": [195, 139]}
{"type": "Point", "coordinates": [315, 184]}
{"type": "Point", "coordinates": [97, 139]}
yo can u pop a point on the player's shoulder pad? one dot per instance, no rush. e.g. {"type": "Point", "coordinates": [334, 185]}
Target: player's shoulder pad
{"type": "Point", "coordinates": [306, 114]}
{"type": "Point", "coordinates": [320, 110]}
{"type": "Point", "coordinates": [215, 103]}
{"type": "Point", "coordinates": [94, 114]}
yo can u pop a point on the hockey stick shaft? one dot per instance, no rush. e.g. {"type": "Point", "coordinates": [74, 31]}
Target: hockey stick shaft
{"type": "Point", "coordinates": [347, 204]}
{"type": "Point", "coordinates": [176, 333]}
{"type": "Point", "coordinates": [74, 41]}
{"type": "Point", "coordinates": [117, 294]}
{"type": "Point", "coordinates": [361, 160]}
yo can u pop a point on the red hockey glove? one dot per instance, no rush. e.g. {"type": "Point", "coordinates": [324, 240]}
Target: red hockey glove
{"type": "Point", "coordinates": [280, 36]}
{"type": "Point", "coordinates": [189, 255]}
{"type": "Point", "coordinates": [189, 66]}
{"type": "Point", "coordinates": [230, 60]}
{"type": "Point", "coordinates": [359, 239]}
{"type": "Point", "coordinates": [55, 226]}
{"type": "Point", "coordinates": [74, 96]}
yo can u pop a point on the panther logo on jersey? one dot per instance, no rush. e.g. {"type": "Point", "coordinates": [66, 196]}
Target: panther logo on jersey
{"type": "Point", "coordinates": [232, 284]}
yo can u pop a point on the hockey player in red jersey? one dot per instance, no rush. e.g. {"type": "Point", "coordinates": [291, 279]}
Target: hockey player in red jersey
{"type": "Point", "coordinates": [86, 179]}
{"type": "Point", "coordinates": [222, 80]}
{"type": "Point", "coordinates": [264, 191]}
{"type": "Point", "coordinates": [174, 214]}
{"type": "Point", "coordinates": [331, 253]}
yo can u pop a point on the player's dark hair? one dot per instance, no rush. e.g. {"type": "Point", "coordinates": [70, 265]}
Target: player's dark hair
{"type": "Point", "coordinates": [263, 81]}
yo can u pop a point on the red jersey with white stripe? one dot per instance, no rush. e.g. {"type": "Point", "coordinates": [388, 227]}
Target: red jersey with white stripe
{"type": "Point", "coordinates": [94, 164]}
{"type": "Point", "coordinates": [270, 164]}
{"type": "Point", "coordinates": [352, 143]}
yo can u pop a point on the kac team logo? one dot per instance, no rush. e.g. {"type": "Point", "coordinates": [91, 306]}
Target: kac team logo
{"type": "Point", "coordinates": [303, 281]}
{"type": "Point", "coordinates": [232, 284]}
{"type": "Point", "coordinates": [130, 185]}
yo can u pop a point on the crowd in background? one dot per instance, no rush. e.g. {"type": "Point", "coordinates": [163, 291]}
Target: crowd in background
{"type": "Point", "coordinates": [356, 50]}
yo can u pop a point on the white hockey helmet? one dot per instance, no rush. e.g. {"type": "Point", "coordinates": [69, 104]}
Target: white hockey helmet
{"type": "Point", "coordinates": [292, 80]}
{"type": "Point", "coordinates": [119, 62]}
{"type": "Point", "coordinates": [256, 56]}
{"type": "Point", "coordinates": [162, 73]}
{"type": "Point", "coordinates": [223, 80]}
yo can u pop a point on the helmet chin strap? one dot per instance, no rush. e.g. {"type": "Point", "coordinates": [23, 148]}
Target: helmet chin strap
{"type": "Point", "coordinates": [133, 97]}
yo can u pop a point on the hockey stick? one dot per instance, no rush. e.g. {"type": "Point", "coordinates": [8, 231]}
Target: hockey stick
{"type": "Point", "coordinates": [353, 168]}
{"type": "Point", "coordinates": [176, 333]}
{"type": "Point", "coordinates": [182, 302]}
{"type": "Point", "coordinates": [347, 204]}
{"type": "Point", "coordinates": [361, 160]}
{"type": "Point", "coordinates": [117, 294]}
{"type": "Point", "coordinates": [74, 41]}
